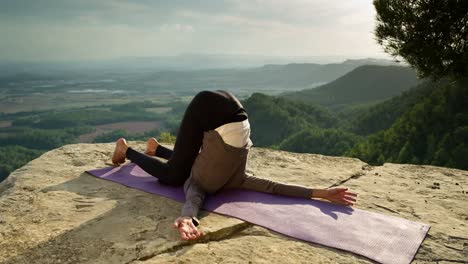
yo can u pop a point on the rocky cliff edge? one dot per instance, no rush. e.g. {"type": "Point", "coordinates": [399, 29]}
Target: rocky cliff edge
{"type": "Point", "coordinates": [51, 211]}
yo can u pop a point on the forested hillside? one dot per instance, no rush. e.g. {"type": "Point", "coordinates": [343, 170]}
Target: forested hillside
{"type": "Point", "coordinates": [368, 120]}
{"type": "Point", "coordinates": [302, 126]}
{"type": "Point", "coordinates": [425, 125]}
{"type": "Point", "coordinates": [433, 131]}
{"type": "Point", "coordinates": [29, 134]}
{"type": "Point", "coordinates": [326, 141]}
{"type": "Point", "coordinates": [364, 85]}
{"type": "Point", "coordinates": [12, 157]}
{"type": "Point", "coordinates": [273, 119]}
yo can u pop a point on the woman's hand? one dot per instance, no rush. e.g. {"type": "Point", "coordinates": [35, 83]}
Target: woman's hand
{"type": "Point", "coordinates": [337, 196]}
{"type": "Point", "coordinates": [187, 230]}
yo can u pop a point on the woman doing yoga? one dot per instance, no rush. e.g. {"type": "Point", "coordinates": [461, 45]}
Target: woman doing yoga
{"type": "Point", "coordinates": [210, 154]}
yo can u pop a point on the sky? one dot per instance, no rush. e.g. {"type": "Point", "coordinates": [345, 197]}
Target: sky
{"type": "Point", "coordinates": [61, 30]}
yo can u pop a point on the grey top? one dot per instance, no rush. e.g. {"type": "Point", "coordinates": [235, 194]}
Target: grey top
{"type": "Point", "coordinates": [221, 166]}
{"type": "Point", "coordinates": [194, 197]}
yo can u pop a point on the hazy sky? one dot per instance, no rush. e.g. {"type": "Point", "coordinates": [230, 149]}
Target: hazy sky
{"type": "Point", "coordinates": [101, 29]}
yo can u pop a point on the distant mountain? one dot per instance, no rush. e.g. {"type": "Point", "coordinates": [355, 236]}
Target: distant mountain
{"type": "Point", "coordinates": [305, 75]}
{"type": "Point", "coordinates": [147, 74]}
{"type": "Point", "coordinates": [363, 85]}
{"type": "Point", "coordinates": [228, 61]}
{"type": "Point", "coordinates": [372, 61]}
{"type": "Point", "coordinates": [182, 62]}
{"type": "Point", "coordinates": [270, 78]}
{"type": "Point", "coordinates": [301, 74]}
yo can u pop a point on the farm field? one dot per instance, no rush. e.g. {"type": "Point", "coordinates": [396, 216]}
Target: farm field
{"type": "Point", "coordinates": [158, 110]}
{"type": "Point", "coordinates": [4, 124]}
{"type": "Point", "coordinates": [131, 127]}
{"type": "Point", "coordinates": [34, 120]}
{"type": "Point", "coordinates": [62, 101]}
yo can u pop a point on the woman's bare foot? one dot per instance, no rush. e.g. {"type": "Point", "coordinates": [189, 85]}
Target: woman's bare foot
{"type": "Point", "coordinates": [151, 146]}
{"type": "Point", "coordinates": [119, 152]}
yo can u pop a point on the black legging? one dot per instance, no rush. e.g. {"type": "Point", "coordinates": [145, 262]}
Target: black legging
{"type": "Point", "coordinates": [207, 111]}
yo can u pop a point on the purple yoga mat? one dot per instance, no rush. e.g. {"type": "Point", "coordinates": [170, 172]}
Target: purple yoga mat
{"type": "Point", "coordinates": [383, 238]}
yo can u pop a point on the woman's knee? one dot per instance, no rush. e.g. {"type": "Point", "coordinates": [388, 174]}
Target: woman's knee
{"type": "Point", "coordinates": [205, 97]}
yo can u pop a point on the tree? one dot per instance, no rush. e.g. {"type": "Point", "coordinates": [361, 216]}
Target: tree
{"type": "Point", "coordinates": [326, 141]}
{"type": "Point", "coordinates": [431, 35]}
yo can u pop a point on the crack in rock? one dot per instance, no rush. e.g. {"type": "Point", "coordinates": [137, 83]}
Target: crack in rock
{"type": "Point", "coordinates": [454, 248]}
{"type": "Point", "coordinates": [365, 168]}
{"type": "Point", "coordinates": [356, 175]}
{"type": "Point", "coordinates": [386, 208]}
{"type": "Point", "coordinates": [443, 259]}
{"type": "Point", "coordinates": [219, 235]}
{"type": "Point", "coordinates": [457, 237]}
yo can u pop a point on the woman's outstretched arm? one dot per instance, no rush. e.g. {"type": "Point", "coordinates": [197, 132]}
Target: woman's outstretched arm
{"type": "Point", "coordinates": [335, 195]}
{"type": "Point", "coordinates": [187, 223]}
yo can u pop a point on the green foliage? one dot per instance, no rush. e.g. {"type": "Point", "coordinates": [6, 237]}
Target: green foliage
{"type": "Point", "coordinates": [364, 85]}
{"type": "Point", "coordinates": [273, 119]}
{"type": "Point", "coordinates": [13, 157]}
{"type": "Point", "coordinates": [430, 35]}
{"type": "Point", "coordinates": [425, 125]}
{"type": "Point", "coordinates": [166, 137]}
{"type": "Point", "coordinates": [43, 139]}
{"type": "Point", "coordinates": [292, 126]}
{"type": "Point", "coordinates": [334, 142]}
{"type": "Point", "coordinates": [82, 117]}
{"type": "Point", "coordinates": [434, 131]}
{"type": "Point", "coordinates": [369, 120]}
{"type": "Point", "coordinates": [44, 130]}
{"type": "Point", "coordinates": [20, 145]}
{"type": "Point", "coordinates": [430, 128]}
{"type": "Point", "coordinates": [134, 106]}
{"type": "Point", "coordinates": [173, 119]}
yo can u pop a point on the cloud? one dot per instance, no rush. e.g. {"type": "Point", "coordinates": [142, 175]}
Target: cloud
{"type": "Point", "coordinates": [184, 28]}
{"type": "Point", "coordinates": [113, 28]}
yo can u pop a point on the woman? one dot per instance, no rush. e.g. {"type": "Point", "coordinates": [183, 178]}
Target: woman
{"type": "Point", "coordinates": [209, 155]}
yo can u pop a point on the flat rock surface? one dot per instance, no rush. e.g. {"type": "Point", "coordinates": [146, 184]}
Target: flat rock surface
{"type": "Point", "coordinates": [51, 211]}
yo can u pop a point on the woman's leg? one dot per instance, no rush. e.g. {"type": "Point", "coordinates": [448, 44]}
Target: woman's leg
{"type": "Point", "coordinates": [153, 148]}
{"type": "Point", "coordinates": [157, 168]}
{"type": "Point", "coordinates": [147, 163]}
{"type": "Point", "coordinates": [163, 152]}
{"type": "Point", "coordinates": [207, 111]}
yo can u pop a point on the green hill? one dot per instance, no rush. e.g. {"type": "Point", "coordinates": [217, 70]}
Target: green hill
{"type": "Point", "coordinates": [295, 74]}
{"type": "Point", "coordinates": [368, 120]}
{"type": "Point", "coordinates": [273, 119]}
{"type": "Point", "coordinates": [425, 125]}
{"type": "Point", "coordinates": [325, 141]}
{"type": "Point", "coordinates": [270, 78]}
{"type": "Point", "coordinates": [433, 131]}
{"type": "Point", "coordinates": [363, 85]}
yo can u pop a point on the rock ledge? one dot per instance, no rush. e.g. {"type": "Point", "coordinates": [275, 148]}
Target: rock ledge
{"type": "Point", "coordinates": [51, 211]}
